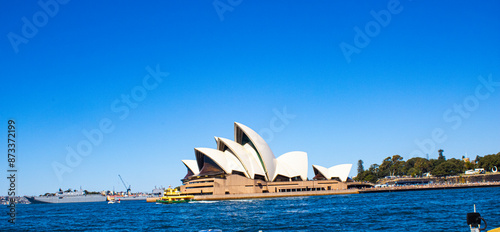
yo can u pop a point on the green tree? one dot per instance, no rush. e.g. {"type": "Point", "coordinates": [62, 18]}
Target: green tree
{"type": "Point", "coordinates": [360, 167]}
{"type": "Point", "coordinates": [489, 161]}
{"type": "Point", "coordinates": [446, 168]}
{"type": "Point", "coordinates": [371, 178]}
{"type": "Point", "coordinates": [419, 165]}
{"type": "Point", "coordinates": [459, 163]}
{"type": "Point", "coordinates": [441, 156]}
{"type": "Point", "coordinates": [370, 175]}
{"type": "Point", "coordinates": [398, 165]}
{"type": "Point", "coordinates": [385, 167]}
{"type": "Point", "coordinates": [469, 165]}
{"type": "Point", "coordinates": [413, 172]}
{"type": "Point", "coordinates": [478, 158]}
{"type": "Point", "coordinates": [434, 163]}
{"type": "Point", "coordinates": [392, 166]}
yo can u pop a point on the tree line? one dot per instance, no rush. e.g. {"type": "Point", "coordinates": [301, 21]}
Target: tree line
{"type": "Point", "coordinates": [418, 167]}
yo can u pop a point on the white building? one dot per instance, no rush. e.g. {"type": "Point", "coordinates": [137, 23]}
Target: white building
{"type": "Point", "coordinates": [248, 165]}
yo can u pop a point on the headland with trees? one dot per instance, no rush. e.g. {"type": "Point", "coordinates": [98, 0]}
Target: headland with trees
{"type": "Point", "coordinates": [421, 167]}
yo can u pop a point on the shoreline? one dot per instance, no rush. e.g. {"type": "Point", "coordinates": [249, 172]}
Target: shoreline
{"type": "Point", "coordinates": [429, 187]}
{"type": "Point", "coordinates": [273, 195]}
{"type": "Point", "coordinates": [346, 191]}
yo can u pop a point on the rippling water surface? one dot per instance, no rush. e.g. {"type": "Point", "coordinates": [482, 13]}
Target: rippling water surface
{"type": "Point", "coordinates": [433, 210]}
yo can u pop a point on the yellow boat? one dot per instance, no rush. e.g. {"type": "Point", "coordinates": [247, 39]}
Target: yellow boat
{"type": "Point", "coordinates": [173, 196]}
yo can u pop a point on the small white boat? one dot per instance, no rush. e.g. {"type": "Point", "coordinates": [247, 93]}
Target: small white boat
{"type": "Point", "coordinates": [111, 200]}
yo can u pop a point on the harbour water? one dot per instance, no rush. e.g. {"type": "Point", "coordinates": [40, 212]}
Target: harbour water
{"type": "Point", "coordinates": [430, 210]}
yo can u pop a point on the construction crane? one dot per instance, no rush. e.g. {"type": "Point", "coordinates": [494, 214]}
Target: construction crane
{"type": "Point", "coordinates": [128, 189]}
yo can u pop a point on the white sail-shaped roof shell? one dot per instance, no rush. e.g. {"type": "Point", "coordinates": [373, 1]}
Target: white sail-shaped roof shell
{"type": "Point", "coordinates": [292, 164]}
{"type": "Point", "coordinates": [235, 164]}
{"type": "Point", "coordinates": [264, 153]}
{"type": "Point", "coordinates": [250, 155]}
{"type": "Point", "coordinates": [322, 170]}
{"type": "Point", "coordinates": [248, 160]}
{"type": "Point", "coordinates": [282, 169]}
{"type": "Point", "coordinates": [341, 171]}
{"type": "Point", "coordinates": [258, 169]}
{"type": "Point", "coordinates": [192, 165]}
{"type": "Point", "coordinates": [226, 160]}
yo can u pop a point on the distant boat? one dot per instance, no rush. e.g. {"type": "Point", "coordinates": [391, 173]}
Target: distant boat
{"type": "Point", "coordinates": [171, 196]}
{"type": "Point", "coordinates": [67, 197]}
{"type": "Point", "coordinates": [113, 201]}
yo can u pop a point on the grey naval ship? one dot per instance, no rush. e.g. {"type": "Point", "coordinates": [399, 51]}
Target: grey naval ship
{"type": "Point", "coordinates": [67, 197]}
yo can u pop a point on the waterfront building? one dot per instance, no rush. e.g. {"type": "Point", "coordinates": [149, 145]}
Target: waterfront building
{"type": "Point", "coordinates": [247, 165]}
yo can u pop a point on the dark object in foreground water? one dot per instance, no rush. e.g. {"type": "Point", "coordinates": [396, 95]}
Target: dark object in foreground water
{"type": "Point", "coordinates": [474, 221]}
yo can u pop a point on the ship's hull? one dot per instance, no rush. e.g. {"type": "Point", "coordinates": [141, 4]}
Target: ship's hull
{"type": "Point", "coordinates": [174, 202]}
{"type": "Point", "coordinates": [66, 199]}
{"type": "Point", "coordinates": [131, 198]}
{"type": "Point", "coordinates": [127, 198]}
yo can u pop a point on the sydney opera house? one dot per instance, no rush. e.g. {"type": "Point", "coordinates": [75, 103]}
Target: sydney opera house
{"type": "Point", "coordinates": [247, 165]}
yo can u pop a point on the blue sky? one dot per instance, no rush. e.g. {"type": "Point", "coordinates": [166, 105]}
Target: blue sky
{"type": "Point", "coordinates": [419, 73]}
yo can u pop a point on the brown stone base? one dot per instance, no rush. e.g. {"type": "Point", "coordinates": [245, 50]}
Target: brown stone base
{"type": "Point", "coordinates": [237, 185]}
{"type": "Point", "coordinates": [272, 195]}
